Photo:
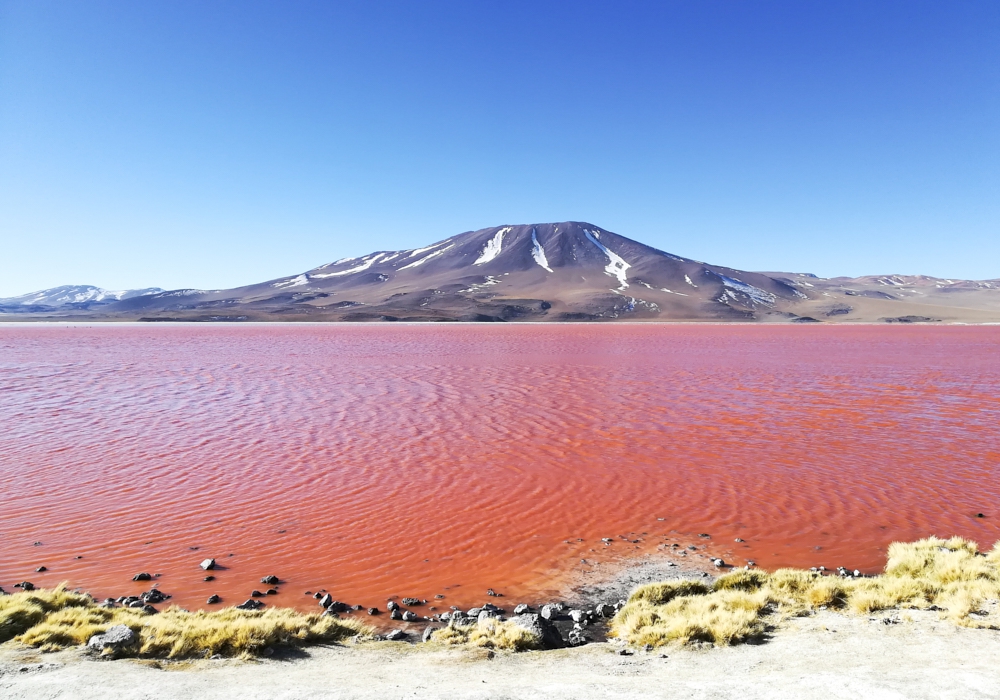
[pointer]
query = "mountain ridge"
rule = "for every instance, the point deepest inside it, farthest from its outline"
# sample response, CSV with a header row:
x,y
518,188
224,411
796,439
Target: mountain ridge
x,y
566,271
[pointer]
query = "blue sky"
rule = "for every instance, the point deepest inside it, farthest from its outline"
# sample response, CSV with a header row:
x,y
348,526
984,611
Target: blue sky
x,y
212,144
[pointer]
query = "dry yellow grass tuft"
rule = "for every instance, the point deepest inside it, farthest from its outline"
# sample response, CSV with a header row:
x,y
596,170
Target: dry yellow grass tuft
x,y
489,634
57,618
950,574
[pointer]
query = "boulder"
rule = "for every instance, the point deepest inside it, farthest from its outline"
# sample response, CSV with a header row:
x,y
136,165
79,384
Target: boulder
x,y
605,610
374,611
485,615
428,632
577,638
326,601
40,569
213,599
521,609
718,563
474,612
577,615
411,601
396,636
391,605
547,634
337,607
149,610
395,614
115,638
409,616
207,564
250,604
25,586
549,612
271,580
142,577
257,594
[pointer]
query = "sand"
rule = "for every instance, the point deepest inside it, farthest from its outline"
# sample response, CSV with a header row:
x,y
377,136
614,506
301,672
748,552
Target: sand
x,y
821,656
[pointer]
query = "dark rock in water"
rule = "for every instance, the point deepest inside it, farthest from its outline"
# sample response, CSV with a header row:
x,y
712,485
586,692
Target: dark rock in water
x,y
135,604
409,616
337,607
149,610
411,601
25,586
357,607
207,564
374,611
391,605
544,630
326,601
109,603
490,592
154,596
256,594
396,635
208,578
271,580
40,569
271,591
395,614
213,599
330,613
428,633
250,604
142,577
718,563
439,595
521,609
705,535
116,638
978,515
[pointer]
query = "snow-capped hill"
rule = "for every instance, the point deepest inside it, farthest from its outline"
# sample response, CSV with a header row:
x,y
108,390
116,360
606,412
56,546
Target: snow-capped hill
x,y
68,295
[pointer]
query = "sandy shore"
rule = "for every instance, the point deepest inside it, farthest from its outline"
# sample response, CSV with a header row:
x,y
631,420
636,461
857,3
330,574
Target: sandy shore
x,y
821,656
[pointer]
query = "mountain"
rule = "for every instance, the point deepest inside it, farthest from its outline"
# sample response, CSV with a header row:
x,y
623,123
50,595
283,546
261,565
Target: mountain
x,y
569,271
81,297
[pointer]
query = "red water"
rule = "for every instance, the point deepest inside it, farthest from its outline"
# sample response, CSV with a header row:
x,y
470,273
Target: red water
x,y
414,460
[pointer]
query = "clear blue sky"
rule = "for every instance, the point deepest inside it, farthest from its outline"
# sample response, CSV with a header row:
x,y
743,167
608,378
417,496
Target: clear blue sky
x,y
209,144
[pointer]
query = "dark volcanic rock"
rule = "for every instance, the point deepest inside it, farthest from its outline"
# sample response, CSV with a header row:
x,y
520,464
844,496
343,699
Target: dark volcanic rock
x,y
142,577
544,630
271,580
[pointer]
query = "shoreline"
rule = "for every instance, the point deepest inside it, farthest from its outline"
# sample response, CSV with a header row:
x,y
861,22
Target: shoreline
x,y
917,656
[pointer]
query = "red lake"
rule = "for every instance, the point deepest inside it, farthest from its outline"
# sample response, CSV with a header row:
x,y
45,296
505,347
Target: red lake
x,y
414,460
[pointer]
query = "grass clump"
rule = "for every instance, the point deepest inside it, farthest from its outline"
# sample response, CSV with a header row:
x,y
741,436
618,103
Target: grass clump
x,y
949,574
489,634
57,618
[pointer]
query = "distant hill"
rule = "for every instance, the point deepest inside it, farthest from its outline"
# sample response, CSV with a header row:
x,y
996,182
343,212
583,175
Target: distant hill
x,y
569,271
69,297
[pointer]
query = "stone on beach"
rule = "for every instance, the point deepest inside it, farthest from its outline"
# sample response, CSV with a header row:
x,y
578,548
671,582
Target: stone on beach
x,y
207,564
115,638
544,630
396,635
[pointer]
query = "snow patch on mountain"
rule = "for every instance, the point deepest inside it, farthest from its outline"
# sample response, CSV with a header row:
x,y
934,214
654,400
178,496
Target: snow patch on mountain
x,y
538,253
757,295
368,262
426,257
492,248
616,266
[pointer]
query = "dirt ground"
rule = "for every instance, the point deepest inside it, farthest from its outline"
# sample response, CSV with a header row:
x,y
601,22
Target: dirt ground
x,y
913,655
